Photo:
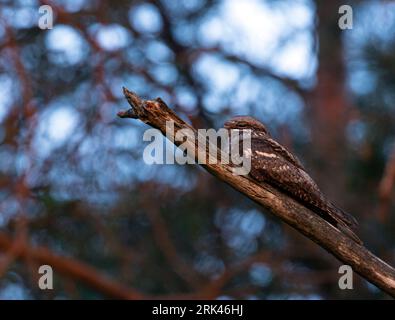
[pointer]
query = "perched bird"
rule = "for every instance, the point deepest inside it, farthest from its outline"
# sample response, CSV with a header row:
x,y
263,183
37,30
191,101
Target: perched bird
x,y
274,164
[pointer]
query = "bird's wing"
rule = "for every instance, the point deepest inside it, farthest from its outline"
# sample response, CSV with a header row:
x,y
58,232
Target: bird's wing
x,y
281,150
267,165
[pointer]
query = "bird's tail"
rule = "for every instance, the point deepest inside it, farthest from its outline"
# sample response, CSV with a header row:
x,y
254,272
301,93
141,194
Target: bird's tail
x,y
345,217
351,234
345,222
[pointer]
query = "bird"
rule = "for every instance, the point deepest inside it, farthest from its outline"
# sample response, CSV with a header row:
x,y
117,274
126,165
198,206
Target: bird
x,y
273,164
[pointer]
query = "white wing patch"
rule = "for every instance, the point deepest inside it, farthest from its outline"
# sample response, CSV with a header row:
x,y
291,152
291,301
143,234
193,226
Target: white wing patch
x,y
268,155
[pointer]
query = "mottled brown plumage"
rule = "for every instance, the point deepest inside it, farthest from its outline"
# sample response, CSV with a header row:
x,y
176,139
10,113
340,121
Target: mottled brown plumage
x,y
274,164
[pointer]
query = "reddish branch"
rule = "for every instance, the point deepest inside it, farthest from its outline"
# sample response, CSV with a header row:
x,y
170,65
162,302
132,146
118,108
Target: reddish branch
x,y
70,268
164,242
156,113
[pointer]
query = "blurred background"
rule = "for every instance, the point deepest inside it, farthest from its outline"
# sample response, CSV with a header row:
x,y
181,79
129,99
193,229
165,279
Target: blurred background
x,y
76,194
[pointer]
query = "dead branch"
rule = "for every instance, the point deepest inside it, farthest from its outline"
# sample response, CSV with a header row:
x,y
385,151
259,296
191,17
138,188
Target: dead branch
x,y
156,113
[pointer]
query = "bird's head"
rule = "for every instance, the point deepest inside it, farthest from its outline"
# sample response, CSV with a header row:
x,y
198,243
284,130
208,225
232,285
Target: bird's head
x,y
246,122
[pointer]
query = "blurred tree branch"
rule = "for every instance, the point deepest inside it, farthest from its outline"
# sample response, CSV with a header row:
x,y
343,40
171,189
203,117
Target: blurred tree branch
x,y
68,267
386,187
156,113
166,245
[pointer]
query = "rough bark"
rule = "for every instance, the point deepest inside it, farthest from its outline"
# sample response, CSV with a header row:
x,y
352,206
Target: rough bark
x,y
156,113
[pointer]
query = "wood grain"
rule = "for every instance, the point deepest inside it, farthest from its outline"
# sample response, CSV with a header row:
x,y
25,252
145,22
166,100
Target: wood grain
x,y
156,113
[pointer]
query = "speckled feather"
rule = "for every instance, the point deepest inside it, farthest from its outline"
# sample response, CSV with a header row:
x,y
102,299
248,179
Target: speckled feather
x,y
274,164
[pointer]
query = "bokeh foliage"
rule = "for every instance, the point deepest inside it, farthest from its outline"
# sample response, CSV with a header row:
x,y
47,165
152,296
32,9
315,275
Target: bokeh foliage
x,y
72,177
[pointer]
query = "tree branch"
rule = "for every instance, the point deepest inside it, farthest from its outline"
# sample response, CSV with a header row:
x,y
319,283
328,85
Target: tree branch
x,y
156,113
71,268
386,188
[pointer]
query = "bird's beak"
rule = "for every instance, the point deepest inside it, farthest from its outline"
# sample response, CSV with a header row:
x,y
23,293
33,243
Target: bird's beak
x,y
227,125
